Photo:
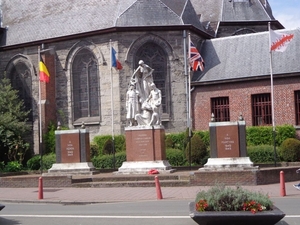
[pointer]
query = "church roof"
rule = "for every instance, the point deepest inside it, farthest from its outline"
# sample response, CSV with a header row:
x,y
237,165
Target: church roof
x,y
246,56
225,11
34,20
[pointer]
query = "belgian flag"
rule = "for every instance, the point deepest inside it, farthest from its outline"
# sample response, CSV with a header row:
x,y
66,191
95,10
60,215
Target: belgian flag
x,y
44,73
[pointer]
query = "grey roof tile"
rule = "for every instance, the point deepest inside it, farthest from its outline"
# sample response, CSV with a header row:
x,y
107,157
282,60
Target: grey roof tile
x,y
245,56
32,20
244,11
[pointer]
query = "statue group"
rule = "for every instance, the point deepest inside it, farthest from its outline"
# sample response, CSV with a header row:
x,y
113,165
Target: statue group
x,y
143,98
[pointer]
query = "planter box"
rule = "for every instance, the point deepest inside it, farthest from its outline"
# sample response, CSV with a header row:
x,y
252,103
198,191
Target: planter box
x,y
235,217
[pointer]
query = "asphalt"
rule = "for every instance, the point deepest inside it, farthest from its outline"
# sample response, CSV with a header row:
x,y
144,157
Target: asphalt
x,y
127,194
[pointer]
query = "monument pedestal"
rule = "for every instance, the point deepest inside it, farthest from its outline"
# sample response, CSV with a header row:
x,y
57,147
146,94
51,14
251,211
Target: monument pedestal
x,y
145,150
228,147
235,163
83,168
72,149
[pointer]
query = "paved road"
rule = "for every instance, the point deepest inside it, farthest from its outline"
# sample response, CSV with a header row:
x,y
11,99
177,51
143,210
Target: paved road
x,y
168,212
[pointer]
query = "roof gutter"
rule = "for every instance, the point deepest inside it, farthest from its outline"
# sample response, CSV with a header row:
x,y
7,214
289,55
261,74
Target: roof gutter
x,y
106,31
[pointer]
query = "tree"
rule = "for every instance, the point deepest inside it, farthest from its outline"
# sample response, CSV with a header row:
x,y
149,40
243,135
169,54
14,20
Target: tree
x,y
13,126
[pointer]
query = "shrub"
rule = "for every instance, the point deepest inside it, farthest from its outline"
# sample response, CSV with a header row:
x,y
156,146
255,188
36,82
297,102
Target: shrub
x,y
205,136
263,135
168,142
221,198
261,153
177,140
104,143
198,150
34,163
93,150
176,157
13,166
284,132
48,161
107,161
290,150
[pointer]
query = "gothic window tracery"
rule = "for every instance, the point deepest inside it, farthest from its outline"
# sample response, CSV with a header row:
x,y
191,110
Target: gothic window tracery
x,y
85,85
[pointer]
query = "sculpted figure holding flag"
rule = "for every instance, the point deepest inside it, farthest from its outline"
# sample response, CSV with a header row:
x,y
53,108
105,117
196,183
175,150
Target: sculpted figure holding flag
x,y
142,79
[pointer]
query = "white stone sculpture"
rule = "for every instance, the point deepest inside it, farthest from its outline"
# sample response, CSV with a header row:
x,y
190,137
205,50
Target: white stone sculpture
x,y
143,101
132,104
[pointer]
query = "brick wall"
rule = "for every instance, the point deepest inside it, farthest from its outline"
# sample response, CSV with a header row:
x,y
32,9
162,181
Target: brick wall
x,y
33,181
254,177
239,94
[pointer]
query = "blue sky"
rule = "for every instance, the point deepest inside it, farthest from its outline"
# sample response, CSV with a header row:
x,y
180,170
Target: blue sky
x,y
287,12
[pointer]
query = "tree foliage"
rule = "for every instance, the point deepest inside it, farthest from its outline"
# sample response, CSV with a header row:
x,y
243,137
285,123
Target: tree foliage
x,y
13,126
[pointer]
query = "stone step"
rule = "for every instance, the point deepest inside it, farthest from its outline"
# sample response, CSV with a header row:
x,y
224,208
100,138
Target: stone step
x,y
141,183
117,178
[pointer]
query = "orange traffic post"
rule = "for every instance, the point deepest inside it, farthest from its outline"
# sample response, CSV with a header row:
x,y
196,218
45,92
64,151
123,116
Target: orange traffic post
x,y
41,196
158,189
282,184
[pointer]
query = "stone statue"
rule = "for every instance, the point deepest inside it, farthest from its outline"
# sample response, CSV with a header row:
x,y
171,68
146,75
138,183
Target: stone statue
x,y
154,100
142,78
132,104
143,101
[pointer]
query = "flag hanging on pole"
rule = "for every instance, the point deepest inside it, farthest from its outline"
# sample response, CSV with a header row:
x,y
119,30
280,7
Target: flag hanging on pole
x,y
196,60
279,41
44,73
114,61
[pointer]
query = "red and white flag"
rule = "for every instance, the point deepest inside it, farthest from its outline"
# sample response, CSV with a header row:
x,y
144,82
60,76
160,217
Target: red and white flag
x,y
279,41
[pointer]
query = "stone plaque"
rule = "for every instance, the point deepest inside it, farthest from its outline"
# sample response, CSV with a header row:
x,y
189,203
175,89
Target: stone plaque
x,y
70,148
227,141
144,144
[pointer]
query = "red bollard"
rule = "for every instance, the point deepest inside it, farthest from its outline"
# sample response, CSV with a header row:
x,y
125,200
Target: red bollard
x,y
282,184
41,196
158,189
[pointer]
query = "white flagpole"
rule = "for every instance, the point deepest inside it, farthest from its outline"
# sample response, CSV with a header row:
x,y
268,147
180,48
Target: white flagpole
x,y
40,112
272,94
112,104
40,98
186,75
189,102
271,73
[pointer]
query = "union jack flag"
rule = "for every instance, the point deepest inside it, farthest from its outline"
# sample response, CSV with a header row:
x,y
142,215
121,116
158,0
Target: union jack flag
x,y
196,60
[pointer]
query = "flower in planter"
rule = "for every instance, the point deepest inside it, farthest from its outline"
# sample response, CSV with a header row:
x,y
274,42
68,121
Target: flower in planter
x,y
201,205
221,198
252,206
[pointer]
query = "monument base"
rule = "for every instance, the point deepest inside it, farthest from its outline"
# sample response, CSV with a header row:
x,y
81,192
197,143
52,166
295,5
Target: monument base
x,y
83,168
235,163
143,167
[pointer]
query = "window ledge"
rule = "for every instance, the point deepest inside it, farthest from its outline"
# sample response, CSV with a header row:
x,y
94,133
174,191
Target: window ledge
x,y
87,121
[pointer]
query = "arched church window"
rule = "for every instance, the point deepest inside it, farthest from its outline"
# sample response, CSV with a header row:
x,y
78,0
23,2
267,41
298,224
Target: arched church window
x,y
21,80
155,57
85,85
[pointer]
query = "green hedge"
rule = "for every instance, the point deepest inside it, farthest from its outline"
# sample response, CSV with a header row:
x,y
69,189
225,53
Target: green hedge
x,y
104,144
176,157
107,161
177,140
261,153
263,135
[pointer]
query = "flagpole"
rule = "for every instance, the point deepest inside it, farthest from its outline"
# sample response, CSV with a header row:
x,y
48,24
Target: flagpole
x,y
186,75
112,106
272,95
40,112
189,107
